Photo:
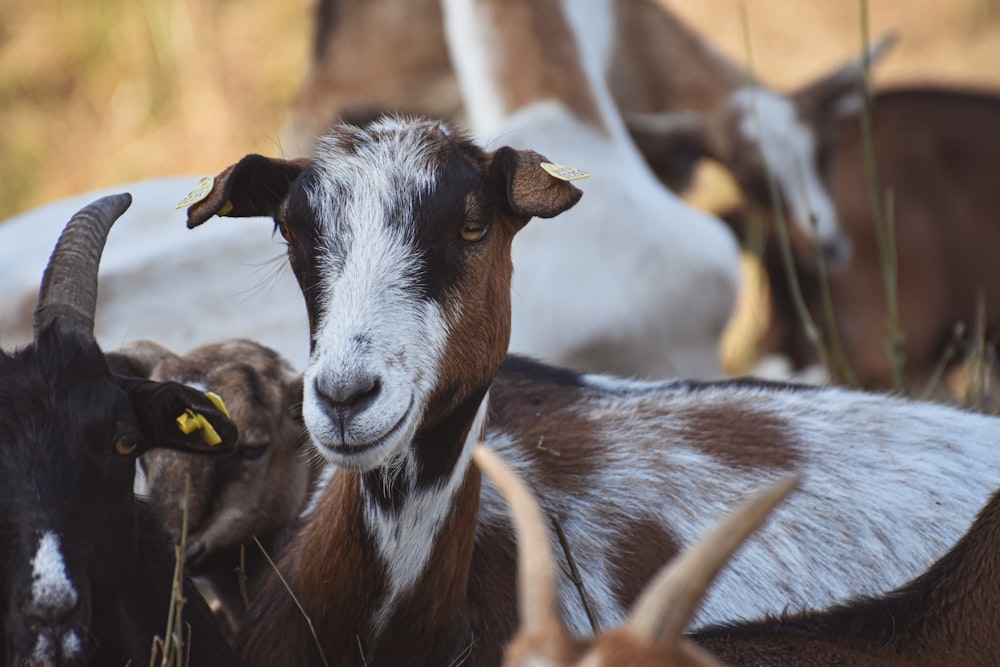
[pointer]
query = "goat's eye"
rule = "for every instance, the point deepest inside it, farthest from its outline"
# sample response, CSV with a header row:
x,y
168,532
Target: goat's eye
x,y
474,231
252,452
126,446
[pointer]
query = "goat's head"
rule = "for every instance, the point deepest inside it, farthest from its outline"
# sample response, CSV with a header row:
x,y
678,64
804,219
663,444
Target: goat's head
x,y
762,136
260,489
652,635
399,235
71,432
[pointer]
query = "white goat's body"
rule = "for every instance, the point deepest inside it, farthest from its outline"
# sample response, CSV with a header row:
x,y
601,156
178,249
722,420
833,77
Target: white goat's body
x,y
889,485
632,280
158,280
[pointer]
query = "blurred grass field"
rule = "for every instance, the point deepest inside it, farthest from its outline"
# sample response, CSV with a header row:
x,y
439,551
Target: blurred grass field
x,y
107,91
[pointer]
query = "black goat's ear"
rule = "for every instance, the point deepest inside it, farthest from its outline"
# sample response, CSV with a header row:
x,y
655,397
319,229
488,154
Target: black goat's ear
x,y
528,190
177,416
254,186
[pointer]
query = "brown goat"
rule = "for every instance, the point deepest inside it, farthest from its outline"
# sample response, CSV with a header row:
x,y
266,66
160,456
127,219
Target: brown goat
x,y
652,634
259,492
937,151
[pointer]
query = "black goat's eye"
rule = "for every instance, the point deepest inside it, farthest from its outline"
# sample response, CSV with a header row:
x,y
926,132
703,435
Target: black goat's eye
x,y
126,446
474,231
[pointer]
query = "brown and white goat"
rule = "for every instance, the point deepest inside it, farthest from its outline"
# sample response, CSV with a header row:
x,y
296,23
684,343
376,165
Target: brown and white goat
x,y
652,635
259,492
936,150
381,55
399,235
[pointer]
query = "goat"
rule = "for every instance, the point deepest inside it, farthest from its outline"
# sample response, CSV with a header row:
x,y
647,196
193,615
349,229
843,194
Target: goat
x,y
652,635
87,576
259,492
685,99
399,235
658,256
934,149
220,285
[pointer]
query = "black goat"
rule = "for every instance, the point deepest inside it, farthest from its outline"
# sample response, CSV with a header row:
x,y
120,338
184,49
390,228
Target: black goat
x,y
86,571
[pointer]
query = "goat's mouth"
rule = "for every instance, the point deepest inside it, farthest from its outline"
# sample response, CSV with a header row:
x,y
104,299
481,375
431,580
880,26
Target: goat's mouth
x,y
363,456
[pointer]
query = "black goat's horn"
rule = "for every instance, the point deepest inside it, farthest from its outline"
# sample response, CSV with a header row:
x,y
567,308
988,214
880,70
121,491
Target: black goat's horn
x,y
68,295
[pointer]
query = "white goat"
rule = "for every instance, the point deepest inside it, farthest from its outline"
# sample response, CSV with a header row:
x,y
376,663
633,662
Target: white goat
x,y
633,281
157,282
399,235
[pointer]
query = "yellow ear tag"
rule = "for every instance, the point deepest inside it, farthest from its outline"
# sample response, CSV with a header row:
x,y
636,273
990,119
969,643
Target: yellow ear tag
x,y
200,192
191,421
217,402
562,172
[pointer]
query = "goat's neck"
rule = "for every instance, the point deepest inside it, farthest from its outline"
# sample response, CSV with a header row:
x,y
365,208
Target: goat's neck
x,y
393,548
510,54
659,64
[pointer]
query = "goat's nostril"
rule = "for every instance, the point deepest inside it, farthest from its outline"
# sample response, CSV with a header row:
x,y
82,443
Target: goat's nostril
x,y
351,394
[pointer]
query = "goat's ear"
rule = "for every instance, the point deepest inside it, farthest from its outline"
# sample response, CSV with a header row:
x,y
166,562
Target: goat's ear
x,y
671,143
840,93
529,191
177,416
254,186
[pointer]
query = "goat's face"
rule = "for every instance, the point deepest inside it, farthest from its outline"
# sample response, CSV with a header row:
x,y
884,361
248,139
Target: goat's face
x,y
70,434
263,486
767,136
399,235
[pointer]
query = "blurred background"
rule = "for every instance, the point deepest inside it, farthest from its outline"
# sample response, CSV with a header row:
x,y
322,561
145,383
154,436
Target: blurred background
x,y
107,91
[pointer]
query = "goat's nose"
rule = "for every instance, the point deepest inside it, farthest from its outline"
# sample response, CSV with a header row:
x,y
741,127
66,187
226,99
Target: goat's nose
x,y
351,394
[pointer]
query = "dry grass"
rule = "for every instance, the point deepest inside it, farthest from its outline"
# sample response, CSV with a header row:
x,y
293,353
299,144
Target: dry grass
x,y
106,91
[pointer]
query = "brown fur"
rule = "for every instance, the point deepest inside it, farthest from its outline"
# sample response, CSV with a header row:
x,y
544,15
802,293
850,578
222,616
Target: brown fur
x,y
542,65
930,153
742,438
643,545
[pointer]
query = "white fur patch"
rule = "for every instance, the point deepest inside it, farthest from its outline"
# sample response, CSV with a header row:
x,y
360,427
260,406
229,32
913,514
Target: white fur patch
x,y
789,151
71,644
52,593
405,539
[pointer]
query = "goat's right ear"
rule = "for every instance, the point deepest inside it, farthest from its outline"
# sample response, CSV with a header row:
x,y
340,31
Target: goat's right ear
x,y
254,186
671,143
526,189
177,416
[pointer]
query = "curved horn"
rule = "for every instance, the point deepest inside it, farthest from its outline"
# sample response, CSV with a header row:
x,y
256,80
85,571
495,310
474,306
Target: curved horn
x,y
68,294
671,599
535,565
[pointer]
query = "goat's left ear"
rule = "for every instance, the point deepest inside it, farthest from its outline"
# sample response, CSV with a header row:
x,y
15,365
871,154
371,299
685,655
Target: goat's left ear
x,y
529,190
840,93
177,416
254,186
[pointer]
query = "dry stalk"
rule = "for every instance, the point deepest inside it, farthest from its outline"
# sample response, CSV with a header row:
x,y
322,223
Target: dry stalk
x,y
298,604
573,573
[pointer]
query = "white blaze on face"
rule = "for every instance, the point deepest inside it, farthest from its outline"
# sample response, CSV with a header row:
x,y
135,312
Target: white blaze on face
x,y
52,593
374,323
788,148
